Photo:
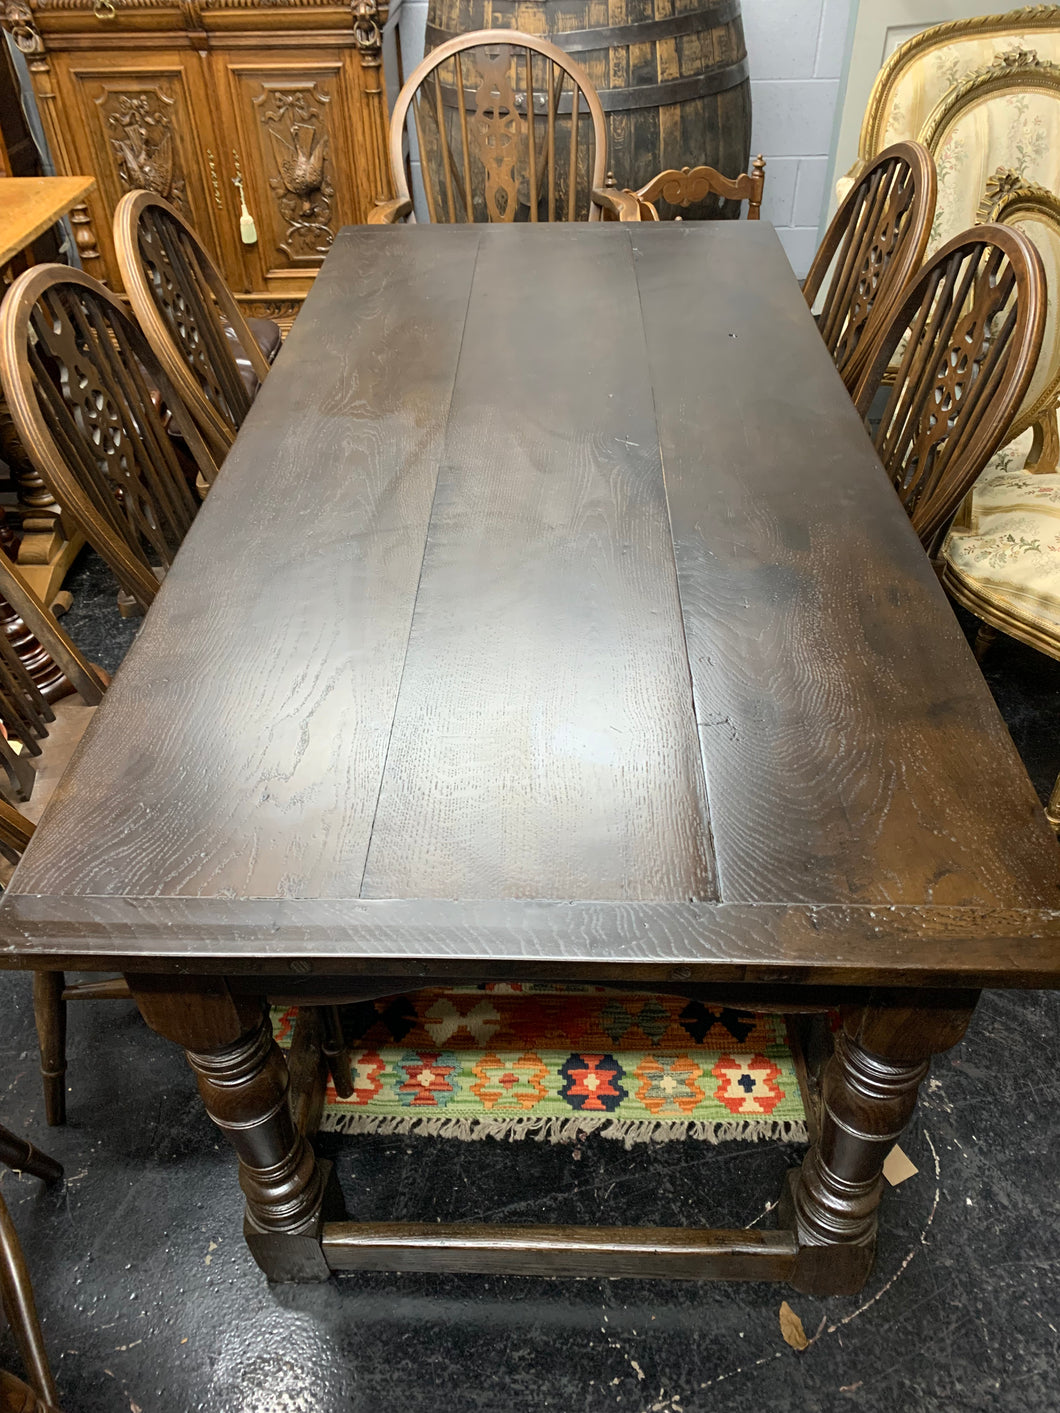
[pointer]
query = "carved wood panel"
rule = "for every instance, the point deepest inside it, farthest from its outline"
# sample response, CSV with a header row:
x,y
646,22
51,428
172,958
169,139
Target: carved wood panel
x,y
181,99
141,126
293,126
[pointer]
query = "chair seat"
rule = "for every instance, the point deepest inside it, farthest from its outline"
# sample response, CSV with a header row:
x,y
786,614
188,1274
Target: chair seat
x,y
268,338
1008,553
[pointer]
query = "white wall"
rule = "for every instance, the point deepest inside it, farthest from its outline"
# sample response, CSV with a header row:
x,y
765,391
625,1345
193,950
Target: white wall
x,y
797,50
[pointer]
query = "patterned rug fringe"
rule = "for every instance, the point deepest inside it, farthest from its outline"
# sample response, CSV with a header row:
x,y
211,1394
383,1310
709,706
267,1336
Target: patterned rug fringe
x,y
566,1130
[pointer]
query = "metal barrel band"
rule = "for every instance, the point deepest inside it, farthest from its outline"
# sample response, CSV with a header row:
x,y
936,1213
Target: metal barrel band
x,y
582,41
621,100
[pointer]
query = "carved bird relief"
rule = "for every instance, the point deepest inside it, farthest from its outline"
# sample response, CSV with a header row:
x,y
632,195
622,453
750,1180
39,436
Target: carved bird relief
x,y
149,168
302,165
143,144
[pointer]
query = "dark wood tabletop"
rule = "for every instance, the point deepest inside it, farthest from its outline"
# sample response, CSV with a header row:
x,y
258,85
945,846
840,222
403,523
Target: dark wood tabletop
x,y
551,608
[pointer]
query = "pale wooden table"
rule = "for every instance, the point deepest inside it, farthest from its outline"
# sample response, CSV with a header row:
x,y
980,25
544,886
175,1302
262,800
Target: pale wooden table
x,y
29,205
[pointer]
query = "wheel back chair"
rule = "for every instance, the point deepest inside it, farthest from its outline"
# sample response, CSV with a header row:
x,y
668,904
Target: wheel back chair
x,y
214,357
504,127
19,1305
961,345
91,403
691,184
870,252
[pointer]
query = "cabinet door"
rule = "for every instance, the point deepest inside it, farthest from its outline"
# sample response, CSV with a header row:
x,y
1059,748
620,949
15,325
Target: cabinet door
x,y
139,121
296,121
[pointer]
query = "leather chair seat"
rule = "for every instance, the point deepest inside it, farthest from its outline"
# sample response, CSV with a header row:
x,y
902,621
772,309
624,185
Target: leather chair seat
x,y
268,338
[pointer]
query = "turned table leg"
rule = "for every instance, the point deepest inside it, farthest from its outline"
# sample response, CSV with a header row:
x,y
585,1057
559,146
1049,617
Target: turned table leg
x,y
50,1013
868,1095
243,1080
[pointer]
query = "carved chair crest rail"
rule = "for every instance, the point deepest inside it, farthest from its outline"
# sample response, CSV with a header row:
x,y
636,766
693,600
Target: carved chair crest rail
x,y
1005,114
691,184
922,69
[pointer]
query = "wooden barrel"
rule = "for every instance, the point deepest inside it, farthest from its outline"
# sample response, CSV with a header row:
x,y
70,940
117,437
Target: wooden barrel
x,y
673,86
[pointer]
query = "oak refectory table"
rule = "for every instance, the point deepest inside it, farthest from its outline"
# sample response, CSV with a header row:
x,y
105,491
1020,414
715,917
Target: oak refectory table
x,y
552,618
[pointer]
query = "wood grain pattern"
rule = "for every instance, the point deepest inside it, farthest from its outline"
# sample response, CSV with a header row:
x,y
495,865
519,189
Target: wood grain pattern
x,y
29,205
331,484
872,824
545,695
839,705
452,939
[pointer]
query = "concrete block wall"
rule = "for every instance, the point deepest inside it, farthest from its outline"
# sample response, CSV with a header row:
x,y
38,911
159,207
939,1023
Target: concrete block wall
x,y
796,50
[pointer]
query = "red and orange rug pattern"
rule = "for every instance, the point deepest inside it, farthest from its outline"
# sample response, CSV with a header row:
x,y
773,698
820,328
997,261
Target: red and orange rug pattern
x,y
554,1063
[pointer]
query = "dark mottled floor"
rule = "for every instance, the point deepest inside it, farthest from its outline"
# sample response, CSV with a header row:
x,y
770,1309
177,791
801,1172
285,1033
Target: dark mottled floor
x,y
151,1302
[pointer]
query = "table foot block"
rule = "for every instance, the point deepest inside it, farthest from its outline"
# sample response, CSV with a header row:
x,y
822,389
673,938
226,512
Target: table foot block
x,y
645,1252
298,1256
839,1269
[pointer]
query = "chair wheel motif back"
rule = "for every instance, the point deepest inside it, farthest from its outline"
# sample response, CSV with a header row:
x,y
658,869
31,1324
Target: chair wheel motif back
x,y
90,400
506,127
971,327
870,251
182,303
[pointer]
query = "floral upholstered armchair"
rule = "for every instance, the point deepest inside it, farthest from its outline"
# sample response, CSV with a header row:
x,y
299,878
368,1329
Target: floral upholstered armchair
x,y
926,67
1006,116
1001,558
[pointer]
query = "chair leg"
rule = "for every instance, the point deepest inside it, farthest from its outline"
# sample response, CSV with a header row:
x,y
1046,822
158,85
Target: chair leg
x,y
21,1309
984,641
50,1011
17,1397
1052,809
336,1053
24,1158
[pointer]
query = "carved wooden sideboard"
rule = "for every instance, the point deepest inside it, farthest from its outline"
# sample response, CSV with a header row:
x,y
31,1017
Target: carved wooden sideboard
x,y
189,97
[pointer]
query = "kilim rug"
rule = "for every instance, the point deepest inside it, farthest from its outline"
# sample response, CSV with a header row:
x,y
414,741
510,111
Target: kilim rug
x,y
555,1063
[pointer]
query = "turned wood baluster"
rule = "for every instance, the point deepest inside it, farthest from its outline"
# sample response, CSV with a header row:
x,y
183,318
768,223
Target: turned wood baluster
x,y
48,677
868,1096
243,1080
244,1087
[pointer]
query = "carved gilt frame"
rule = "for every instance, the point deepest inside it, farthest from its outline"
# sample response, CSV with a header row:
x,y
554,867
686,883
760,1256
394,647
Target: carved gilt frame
x,y
1007,198
1017,69
1014,22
